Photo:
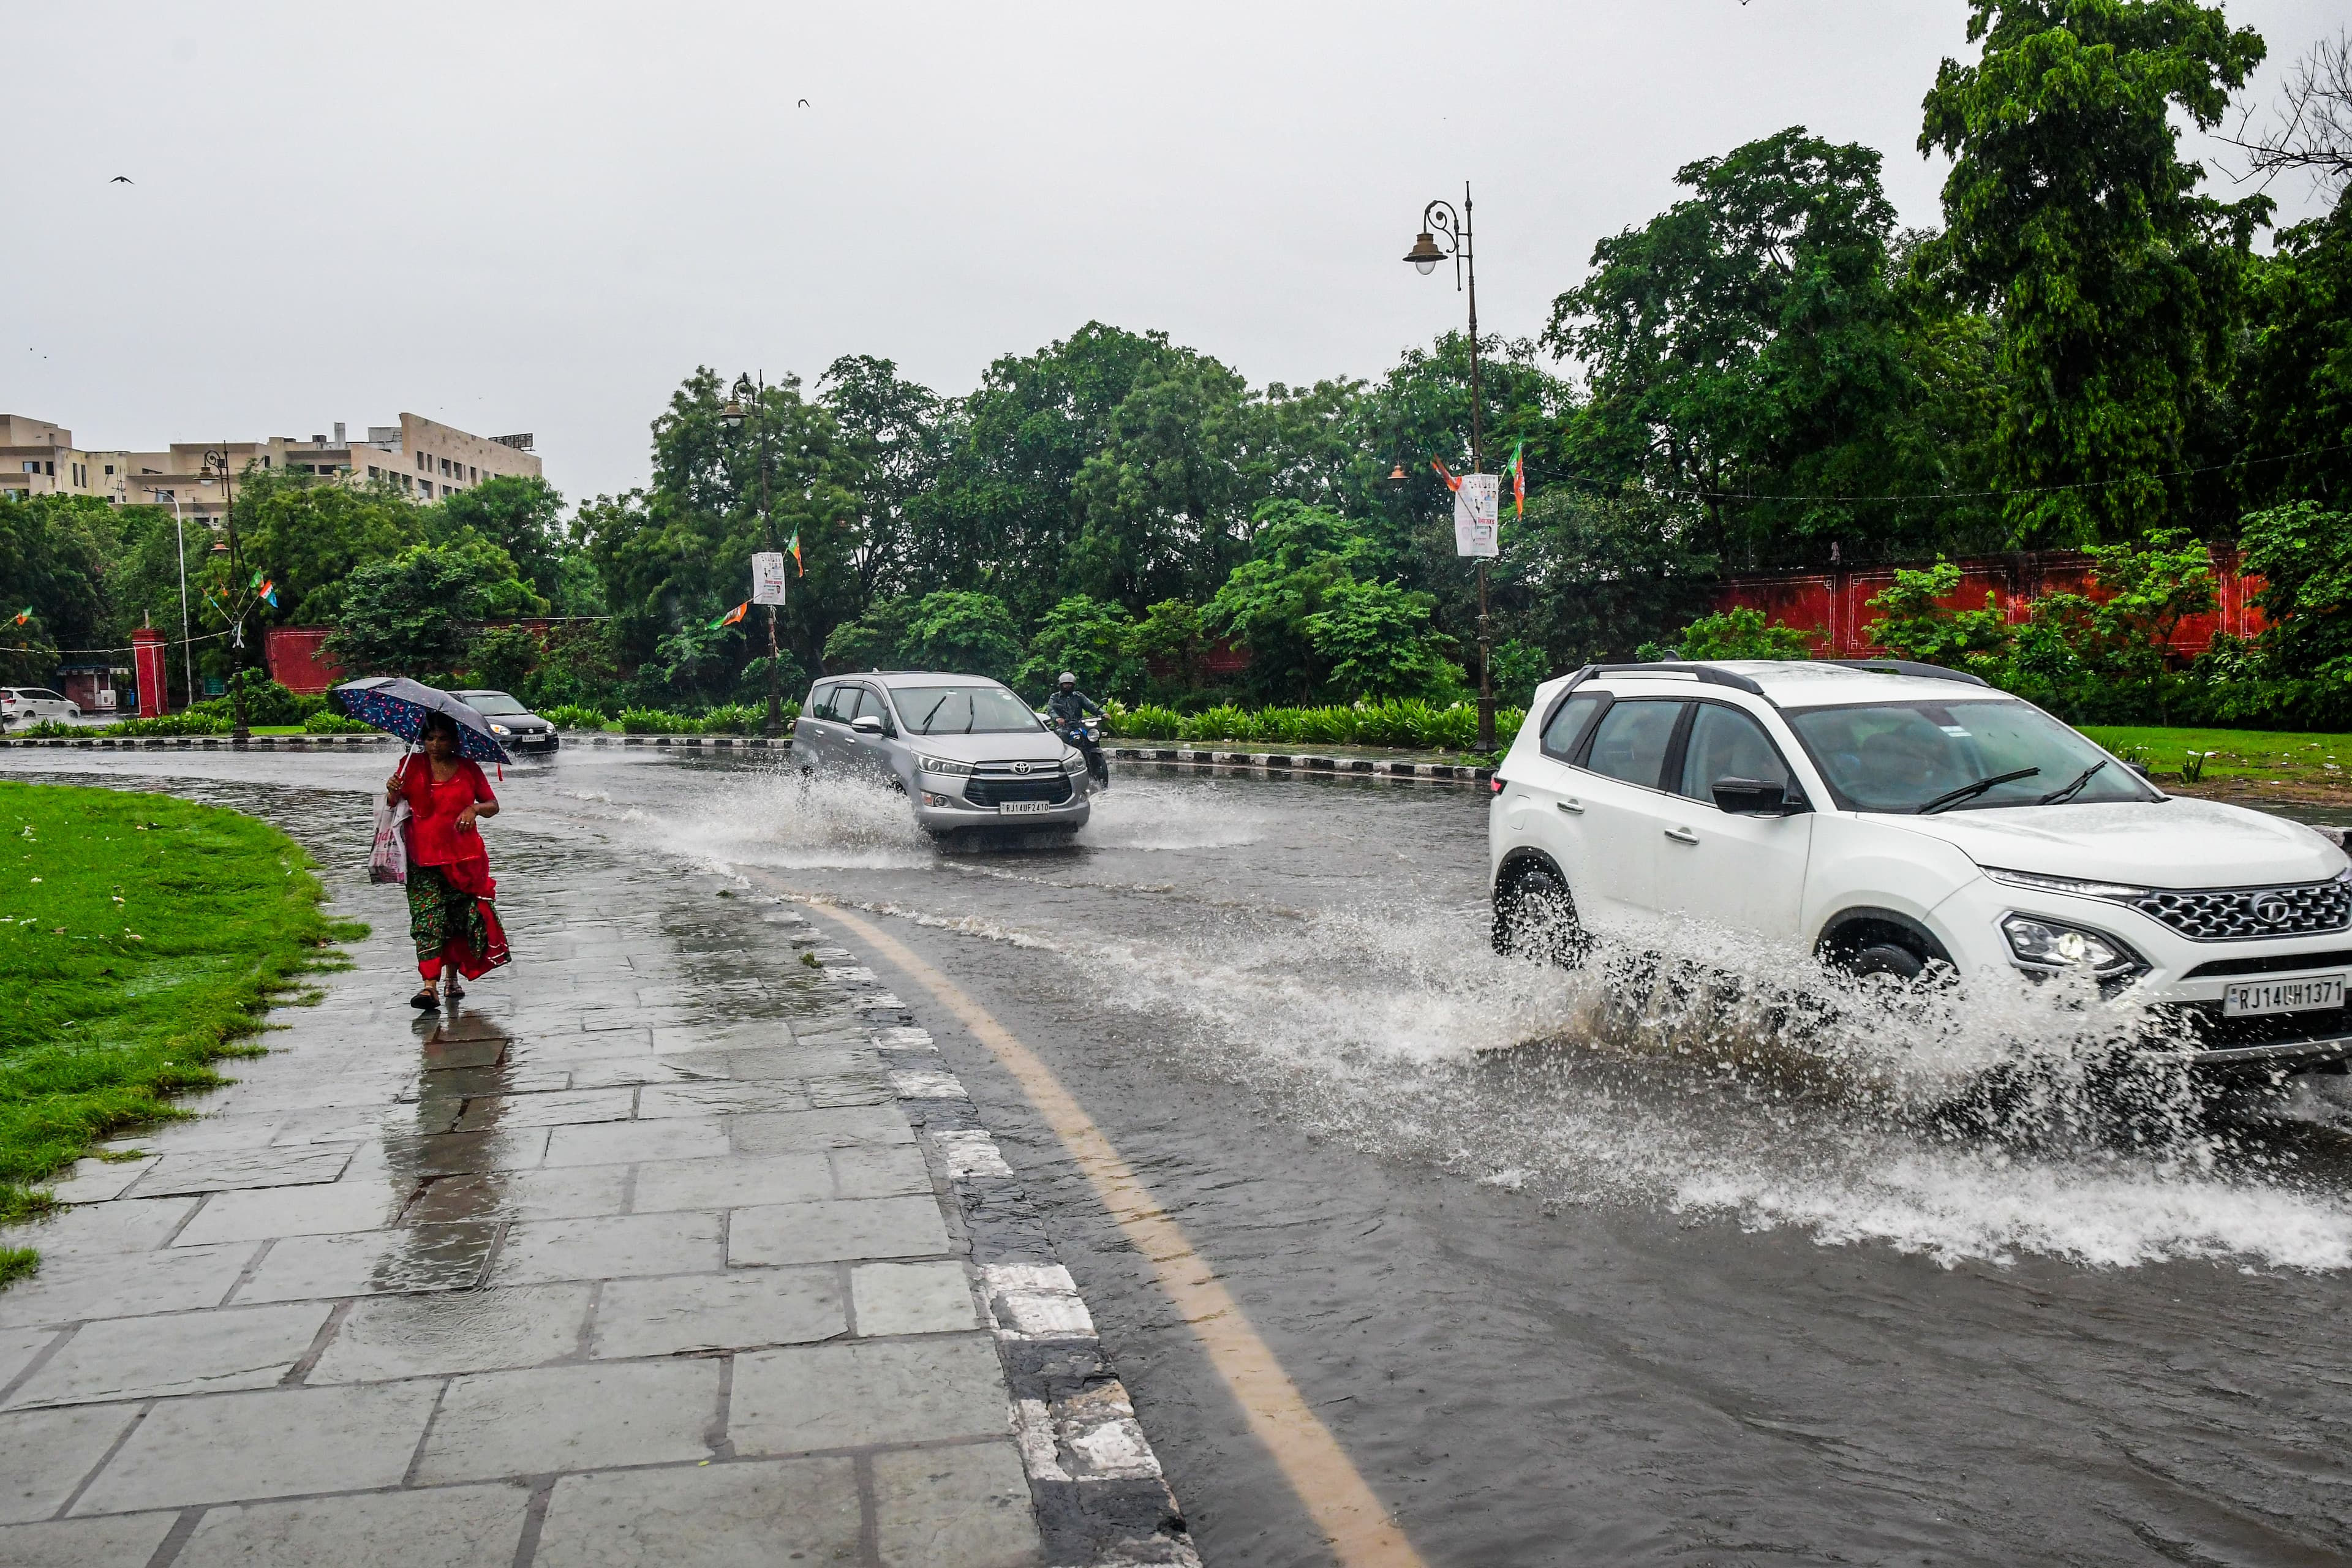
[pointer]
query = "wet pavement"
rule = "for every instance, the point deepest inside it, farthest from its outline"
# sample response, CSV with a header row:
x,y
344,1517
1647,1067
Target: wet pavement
x,y
632,1256
1573,1275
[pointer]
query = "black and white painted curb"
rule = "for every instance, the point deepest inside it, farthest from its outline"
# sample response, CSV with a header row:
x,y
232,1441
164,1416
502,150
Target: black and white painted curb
x,y
1100,1496
1312,765
202,743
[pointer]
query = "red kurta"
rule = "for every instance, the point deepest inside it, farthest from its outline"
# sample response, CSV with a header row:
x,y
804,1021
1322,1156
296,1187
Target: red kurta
x,y
434,839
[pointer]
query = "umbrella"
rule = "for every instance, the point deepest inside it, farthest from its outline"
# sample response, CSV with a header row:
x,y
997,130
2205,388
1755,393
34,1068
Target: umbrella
x,y
399,706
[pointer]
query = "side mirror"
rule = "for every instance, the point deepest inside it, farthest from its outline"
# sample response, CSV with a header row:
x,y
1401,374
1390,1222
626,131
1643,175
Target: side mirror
x,y
1755,798
866,724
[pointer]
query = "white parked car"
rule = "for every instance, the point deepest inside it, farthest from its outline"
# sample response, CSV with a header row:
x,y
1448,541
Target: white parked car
x,y
1889,816
29,704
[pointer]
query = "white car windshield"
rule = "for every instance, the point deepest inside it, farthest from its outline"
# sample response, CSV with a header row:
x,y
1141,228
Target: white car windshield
x,y
1940,756
490,702
961,710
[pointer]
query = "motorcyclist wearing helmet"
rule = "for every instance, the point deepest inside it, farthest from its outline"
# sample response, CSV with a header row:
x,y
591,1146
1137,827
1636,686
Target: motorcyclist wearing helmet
x,y
1068,708
1068,705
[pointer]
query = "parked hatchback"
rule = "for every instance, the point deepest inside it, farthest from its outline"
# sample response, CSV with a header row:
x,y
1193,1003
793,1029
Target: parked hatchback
x,y
28,704
967,751
516,726
1892,816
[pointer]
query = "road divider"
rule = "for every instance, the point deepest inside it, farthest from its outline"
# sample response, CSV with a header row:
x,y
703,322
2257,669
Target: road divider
x,y
1312,765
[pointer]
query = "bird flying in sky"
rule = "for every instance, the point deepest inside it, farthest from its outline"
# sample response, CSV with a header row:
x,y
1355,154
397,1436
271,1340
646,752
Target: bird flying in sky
x,y
122,180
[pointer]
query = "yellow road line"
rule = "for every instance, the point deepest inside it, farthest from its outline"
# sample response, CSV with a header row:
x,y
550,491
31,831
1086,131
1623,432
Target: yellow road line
x,y
1328,1487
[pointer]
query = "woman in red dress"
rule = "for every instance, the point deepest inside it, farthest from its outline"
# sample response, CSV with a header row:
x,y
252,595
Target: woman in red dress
x,y
451,916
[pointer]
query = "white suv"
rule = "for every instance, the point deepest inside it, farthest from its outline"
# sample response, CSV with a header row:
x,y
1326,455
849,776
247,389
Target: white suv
x,y
32,703
1888,816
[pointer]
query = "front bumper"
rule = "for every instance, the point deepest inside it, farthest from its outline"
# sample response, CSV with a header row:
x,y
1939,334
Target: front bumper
x,y
946,805
2183,983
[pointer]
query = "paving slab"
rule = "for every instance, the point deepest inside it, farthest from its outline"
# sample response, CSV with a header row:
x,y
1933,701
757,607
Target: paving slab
x,y
912,1299
455,1332
223,1170
861,1393
571,1107
609,1248
72,1288
969,1506
125,1225
187,1353
627,1143
837,1228
556,1418
438,1527
264,1213
713,1516
47,1453
234,1447
739,1183
689,1313
412,1257
127,1541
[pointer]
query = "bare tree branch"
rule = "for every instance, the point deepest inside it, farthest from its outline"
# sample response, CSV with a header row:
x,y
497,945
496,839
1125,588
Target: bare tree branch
x,y
2313,133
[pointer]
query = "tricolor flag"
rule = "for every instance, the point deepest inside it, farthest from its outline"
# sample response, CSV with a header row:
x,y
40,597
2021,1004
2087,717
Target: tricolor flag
x,y
800,567
731,617
1451,483
267,594
1518,479
25,617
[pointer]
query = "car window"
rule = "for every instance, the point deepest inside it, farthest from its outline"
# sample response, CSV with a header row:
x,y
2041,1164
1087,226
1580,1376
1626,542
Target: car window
x,y
1726,743
1902,756
1567,723
1630,741
964,711
821,700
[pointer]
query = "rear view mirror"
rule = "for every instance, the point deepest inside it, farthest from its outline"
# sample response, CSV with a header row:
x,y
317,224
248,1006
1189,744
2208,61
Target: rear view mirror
x,y
866,724
1754,797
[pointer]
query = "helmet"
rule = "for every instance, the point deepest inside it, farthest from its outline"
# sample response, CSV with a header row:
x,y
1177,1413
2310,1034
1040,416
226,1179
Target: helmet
x,y
1068,680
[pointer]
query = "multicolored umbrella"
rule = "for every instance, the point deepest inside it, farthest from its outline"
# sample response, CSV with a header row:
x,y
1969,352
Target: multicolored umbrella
x,y
398,706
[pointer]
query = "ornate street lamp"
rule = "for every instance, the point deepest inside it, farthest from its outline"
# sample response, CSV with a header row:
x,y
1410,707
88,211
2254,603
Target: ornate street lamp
x,y
216,467
1439,219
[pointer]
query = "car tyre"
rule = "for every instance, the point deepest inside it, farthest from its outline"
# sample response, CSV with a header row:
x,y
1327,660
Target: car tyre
x,y
1884,958
1534,917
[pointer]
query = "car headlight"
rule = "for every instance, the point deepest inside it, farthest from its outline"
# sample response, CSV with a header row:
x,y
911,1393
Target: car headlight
x,y
501,729
1072,762
2079,887
2052,945
942,765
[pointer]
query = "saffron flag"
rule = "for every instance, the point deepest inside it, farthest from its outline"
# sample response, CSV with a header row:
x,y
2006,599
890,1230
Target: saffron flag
x,y
25,617
1518,479
731,617
800,567
1451,483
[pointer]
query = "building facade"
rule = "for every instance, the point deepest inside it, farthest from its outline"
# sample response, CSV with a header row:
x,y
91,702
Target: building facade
x,y
425,459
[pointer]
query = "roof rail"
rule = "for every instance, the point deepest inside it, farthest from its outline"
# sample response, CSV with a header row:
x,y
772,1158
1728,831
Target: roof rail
x,y
1707,673
1910,667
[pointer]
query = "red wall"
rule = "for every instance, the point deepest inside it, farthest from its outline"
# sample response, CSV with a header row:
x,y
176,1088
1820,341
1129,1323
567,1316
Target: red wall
x,y
1836,604
296,660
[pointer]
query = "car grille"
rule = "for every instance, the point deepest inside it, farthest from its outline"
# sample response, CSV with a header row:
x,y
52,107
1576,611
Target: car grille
x,y
2239,914
990,789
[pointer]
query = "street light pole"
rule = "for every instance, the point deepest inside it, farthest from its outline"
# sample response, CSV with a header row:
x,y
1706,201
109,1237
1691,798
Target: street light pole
x,y
187,632
733,416
239,731
1439,218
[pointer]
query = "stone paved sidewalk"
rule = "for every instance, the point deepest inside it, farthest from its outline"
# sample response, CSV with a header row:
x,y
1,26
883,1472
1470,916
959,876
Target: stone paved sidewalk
x,y
636,1258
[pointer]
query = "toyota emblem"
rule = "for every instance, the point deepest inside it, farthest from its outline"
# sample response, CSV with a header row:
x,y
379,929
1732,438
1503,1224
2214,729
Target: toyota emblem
x,y
2272,910
1024,767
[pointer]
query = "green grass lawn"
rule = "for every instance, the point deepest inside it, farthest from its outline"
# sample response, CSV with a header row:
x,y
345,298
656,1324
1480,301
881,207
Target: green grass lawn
x,y
2261,756
142,937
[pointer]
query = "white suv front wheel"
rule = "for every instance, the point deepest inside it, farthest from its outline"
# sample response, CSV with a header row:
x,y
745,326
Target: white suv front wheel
x,y
1535,915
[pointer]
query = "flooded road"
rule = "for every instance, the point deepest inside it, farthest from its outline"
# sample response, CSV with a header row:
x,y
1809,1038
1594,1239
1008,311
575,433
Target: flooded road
x,y
1577,1268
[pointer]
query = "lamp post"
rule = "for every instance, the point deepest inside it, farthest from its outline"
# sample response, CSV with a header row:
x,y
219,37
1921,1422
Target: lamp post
x,y
1439,218
216,468
187,632
731,415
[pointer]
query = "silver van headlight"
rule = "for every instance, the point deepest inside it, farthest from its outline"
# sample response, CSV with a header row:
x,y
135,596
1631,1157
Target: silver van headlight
x,y
943,765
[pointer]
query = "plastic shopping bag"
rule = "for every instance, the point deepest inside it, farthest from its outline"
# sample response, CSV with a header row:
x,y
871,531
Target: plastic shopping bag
x,y
389,862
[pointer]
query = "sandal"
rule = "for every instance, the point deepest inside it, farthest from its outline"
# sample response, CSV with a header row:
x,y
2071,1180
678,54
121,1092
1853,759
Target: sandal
x,y
456,992
424,1001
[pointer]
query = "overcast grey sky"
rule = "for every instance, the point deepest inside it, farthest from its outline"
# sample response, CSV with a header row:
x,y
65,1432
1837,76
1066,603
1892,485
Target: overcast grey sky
x,y
541,218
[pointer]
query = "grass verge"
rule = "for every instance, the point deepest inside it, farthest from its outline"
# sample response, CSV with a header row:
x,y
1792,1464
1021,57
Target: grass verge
x,y
2252,756
144,937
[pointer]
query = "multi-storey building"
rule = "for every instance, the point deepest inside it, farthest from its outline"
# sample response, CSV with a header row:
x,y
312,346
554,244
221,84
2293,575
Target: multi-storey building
x,y
425,459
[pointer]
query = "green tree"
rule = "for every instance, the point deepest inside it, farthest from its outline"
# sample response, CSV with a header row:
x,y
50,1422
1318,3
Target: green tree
x,y
1914,621
2296,375
1299,555
2070,212
410,615
1170,643
897,434
1737,633
522,516
308,534
1375,640
1601,574
875,640
968,633
1092,640
54,556
2304,555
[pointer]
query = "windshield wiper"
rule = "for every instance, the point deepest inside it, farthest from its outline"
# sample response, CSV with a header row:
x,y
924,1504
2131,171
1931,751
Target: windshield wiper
x,y
2055,795
1969,792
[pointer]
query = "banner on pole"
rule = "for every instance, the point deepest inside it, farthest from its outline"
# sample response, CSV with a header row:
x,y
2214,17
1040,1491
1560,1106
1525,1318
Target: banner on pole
x,y
1477,514
768,577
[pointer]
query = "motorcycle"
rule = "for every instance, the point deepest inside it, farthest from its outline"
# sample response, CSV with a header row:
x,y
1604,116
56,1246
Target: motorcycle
x,y
1086,736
